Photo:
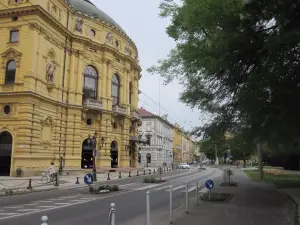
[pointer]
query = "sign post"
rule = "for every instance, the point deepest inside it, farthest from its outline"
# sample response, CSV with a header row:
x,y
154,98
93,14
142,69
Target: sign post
x,y
88,179
209,184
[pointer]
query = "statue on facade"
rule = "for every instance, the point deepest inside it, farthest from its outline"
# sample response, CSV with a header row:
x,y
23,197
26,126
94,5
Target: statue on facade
x,y
109,38
79,24
50,70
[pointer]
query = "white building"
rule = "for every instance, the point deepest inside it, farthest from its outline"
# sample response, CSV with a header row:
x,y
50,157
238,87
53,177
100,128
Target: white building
x,y
160,130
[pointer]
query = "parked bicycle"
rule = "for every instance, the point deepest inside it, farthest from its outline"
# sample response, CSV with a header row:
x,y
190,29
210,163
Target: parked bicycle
x,y
48,178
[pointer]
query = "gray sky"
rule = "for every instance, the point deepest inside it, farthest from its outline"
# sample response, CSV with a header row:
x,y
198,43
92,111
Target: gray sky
x,y
140,20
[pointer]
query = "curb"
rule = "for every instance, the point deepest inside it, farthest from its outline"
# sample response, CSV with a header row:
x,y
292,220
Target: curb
x,y
296,212
28,192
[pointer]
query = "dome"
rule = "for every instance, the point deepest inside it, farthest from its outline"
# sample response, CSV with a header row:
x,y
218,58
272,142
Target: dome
x,y
89,8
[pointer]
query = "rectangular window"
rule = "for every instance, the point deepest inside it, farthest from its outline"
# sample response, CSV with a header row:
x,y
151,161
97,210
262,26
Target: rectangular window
x,y
14,36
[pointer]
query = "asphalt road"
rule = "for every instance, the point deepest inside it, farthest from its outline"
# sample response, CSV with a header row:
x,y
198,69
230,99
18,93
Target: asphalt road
x,y
76,208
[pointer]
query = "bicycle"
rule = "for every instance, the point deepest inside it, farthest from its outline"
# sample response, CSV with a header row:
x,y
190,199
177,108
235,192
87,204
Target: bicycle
x,y
47,178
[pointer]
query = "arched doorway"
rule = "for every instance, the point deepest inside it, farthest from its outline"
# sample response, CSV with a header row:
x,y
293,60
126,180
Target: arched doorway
x,y
139,158
114,154
5,153
148,158
86,155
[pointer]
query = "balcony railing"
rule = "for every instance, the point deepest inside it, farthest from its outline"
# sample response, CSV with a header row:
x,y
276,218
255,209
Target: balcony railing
x,y
92,104
119,110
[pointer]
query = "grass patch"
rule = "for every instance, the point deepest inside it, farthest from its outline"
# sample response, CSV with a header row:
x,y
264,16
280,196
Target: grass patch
x,y
216,197
103,189
227,184
151,179
279,179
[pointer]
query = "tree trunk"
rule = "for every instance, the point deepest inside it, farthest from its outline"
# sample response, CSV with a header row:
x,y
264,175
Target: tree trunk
x,y
244,163
260,163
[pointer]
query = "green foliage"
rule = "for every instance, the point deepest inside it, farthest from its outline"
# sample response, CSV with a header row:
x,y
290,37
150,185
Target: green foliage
x,y
239,63
115,188
149,179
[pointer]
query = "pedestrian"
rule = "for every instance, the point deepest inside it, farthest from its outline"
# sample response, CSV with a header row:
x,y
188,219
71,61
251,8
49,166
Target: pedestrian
x,y
52,171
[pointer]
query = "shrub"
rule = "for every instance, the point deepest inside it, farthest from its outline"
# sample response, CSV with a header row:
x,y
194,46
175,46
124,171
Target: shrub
x,y
107,187
91,189
149,180
115,188
100,188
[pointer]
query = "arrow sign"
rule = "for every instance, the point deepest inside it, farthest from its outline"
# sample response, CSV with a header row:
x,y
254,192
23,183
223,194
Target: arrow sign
x,y
209,184
88,179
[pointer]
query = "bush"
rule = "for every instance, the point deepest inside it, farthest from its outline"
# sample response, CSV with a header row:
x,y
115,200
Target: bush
x,y
115,188
100,188
149,180
91,189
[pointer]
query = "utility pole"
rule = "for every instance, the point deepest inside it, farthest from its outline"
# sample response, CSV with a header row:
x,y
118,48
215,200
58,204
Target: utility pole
x,y
260,163
216,152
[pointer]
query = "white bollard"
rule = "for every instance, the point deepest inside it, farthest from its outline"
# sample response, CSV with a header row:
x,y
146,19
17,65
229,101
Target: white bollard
x,y
148,207
171,205
197,197
112,214
186,198
45,220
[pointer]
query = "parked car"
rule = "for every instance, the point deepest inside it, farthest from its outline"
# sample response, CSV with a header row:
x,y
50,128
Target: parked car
x,y
183,166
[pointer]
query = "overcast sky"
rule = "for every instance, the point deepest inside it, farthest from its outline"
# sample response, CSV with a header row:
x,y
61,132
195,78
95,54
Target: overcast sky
x,y
140,20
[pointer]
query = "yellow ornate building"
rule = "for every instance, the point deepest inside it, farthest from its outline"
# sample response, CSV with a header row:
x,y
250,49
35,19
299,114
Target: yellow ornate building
x,y
67,70
177,144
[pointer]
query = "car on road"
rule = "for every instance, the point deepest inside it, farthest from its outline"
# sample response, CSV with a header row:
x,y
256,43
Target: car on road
x,y
184,166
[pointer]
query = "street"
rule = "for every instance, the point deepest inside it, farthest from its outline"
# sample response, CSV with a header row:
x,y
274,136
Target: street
x,y
77,207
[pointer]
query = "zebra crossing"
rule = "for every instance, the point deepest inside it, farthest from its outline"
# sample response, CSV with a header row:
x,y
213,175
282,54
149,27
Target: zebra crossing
x,y
41,205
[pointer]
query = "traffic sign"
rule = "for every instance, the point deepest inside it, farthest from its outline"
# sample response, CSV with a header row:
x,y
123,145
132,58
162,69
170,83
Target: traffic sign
x,y
88,179
209,184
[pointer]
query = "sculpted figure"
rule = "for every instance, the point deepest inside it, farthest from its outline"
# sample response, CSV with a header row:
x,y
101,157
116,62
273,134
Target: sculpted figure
x,y
109,38
50,70
78,26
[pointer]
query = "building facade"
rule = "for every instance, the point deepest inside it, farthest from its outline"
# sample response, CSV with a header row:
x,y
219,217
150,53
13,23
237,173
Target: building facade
x,y
67,70
160,132
177,144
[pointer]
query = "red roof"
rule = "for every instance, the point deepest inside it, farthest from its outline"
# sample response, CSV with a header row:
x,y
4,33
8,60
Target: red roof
x,y
144,112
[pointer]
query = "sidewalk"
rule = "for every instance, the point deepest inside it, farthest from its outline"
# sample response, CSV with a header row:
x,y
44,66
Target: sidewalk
x,y
15,185
252,204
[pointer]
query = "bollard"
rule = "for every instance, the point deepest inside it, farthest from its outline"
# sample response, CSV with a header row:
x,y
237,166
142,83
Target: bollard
x,y
120,174
108,176
129,175
186,198
77,181
56,180
154,171
148,207
167,169
137,172
29,185
150,171
112,214
197,197
171,205
144,172
44,220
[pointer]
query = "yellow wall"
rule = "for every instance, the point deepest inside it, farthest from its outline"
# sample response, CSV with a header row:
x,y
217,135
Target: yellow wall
x,y
177,144
48,120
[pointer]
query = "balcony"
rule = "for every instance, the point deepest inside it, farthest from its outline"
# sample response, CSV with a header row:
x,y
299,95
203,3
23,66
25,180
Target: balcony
x,y
92,104
135,115
119,110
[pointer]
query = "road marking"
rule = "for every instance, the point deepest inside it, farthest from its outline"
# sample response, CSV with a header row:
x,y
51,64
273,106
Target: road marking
x,y
149,186
8,214
13,207
203,190
87,198
62,203
76,200
190,189
124,185
46,206
27,210
44,201
31,204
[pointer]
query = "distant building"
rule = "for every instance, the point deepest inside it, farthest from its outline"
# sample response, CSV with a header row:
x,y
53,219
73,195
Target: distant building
x,y
160,151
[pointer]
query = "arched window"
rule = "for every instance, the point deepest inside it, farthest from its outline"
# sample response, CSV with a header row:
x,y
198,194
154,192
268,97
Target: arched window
x,y
90,88
10,74
130,92
115,89
148,158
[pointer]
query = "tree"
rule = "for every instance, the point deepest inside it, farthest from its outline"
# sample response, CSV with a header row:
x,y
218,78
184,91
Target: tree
x,y
208,147
238,62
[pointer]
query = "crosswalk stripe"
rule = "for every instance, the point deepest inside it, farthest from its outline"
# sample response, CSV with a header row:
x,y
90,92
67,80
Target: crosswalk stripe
x,y
8,214
46,206
27,210
62,203
150,186
177,188
14,207
32,204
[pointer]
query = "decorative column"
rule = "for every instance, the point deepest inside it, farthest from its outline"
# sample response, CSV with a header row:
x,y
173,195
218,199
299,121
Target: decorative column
x,y
80,78
103,81
108,85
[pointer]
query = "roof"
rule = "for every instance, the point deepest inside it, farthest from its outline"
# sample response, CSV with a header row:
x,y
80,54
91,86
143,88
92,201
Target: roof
x,y
89,8
144,113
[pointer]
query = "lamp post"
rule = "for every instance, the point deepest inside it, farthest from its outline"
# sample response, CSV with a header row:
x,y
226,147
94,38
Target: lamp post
x,y
92,143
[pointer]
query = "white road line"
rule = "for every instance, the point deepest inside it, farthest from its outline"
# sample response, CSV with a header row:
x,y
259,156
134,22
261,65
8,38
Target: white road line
x,y
62,203
46,206
44,201
177,188
27,210
149,186
203,190
124,185
13,207
76,200
190,189
87,199
8,214
31,204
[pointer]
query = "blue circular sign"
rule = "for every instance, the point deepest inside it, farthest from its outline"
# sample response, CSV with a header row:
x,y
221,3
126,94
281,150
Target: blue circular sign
x,y
209,184
88,179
